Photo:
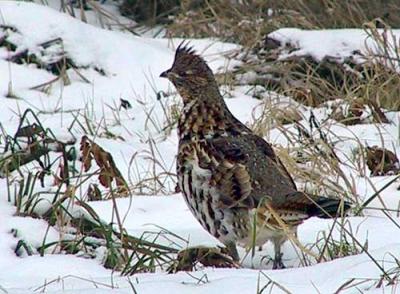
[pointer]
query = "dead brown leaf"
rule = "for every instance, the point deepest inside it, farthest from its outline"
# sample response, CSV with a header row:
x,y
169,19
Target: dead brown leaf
x,y
381,161
108,170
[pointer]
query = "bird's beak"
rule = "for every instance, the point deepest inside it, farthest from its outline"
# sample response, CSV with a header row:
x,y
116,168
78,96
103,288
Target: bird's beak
x,y
164,74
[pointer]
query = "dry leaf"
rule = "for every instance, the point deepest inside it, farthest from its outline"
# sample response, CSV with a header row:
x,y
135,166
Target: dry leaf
x,y
381,161
108,170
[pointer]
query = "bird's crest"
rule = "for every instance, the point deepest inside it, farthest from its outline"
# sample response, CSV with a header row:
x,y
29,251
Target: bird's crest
x,y
186,59
184,49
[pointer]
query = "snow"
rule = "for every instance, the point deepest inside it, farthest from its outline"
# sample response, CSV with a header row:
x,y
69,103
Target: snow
x,y
117,65
338,44
105,15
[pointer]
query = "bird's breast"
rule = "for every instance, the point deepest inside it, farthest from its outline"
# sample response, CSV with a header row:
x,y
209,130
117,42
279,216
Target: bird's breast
x,y
202,120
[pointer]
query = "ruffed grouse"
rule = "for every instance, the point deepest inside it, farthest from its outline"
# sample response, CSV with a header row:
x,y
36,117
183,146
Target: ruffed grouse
x,y
231,178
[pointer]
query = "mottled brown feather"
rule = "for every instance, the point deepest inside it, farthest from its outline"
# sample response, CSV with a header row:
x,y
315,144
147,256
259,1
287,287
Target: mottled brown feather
x,y
226,173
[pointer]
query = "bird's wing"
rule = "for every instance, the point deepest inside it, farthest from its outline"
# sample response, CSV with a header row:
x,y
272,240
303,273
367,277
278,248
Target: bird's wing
x,y
249,171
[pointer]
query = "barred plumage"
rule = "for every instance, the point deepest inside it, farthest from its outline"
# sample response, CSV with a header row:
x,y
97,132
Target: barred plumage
x,y
228,175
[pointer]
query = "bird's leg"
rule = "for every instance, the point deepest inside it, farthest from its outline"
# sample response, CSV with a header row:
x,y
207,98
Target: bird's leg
x,y
278,264
232,250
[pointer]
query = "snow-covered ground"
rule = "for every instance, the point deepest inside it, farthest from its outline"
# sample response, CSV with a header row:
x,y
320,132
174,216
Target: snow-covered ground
x,y
111,65
337,44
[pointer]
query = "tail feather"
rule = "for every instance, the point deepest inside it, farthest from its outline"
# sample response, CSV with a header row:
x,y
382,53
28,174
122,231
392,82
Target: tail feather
x,y
328,207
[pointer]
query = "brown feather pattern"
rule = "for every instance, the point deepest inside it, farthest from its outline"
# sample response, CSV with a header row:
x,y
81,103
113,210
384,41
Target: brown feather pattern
x,y
226,173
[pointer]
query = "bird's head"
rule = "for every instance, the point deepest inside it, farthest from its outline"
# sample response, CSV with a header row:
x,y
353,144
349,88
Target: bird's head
x,y
189,72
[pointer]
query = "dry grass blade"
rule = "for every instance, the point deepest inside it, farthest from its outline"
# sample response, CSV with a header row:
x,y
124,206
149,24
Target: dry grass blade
x,y
271,283
375,195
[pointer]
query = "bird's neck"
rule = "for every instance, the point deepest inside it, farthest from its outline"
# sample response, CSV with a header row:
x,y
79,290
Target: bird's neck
x,y
205,119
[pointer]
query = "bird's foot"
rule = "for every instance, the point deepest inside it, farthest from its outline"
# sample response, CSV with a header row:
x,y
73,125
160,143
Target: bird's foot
x,y
278,264
188,258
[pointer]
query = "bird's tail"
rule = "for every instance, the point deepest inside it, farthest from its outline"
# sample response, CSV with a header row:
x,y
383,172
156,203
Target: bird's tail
x,y
327,207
